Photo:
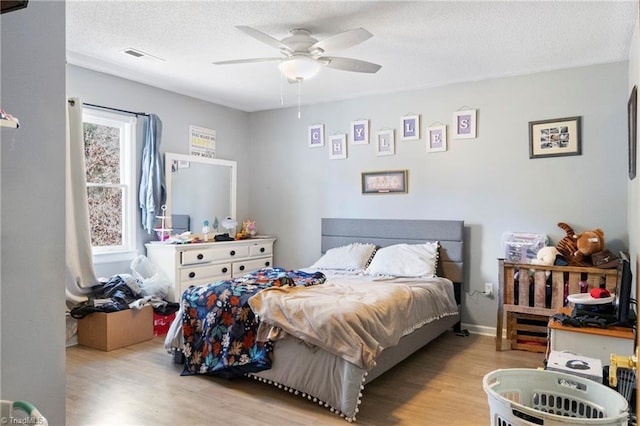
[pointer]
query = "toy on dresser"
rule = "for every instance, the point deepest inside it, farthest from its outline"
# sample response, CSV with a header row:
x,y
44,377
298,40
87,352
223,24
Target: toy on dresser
x,y
248,230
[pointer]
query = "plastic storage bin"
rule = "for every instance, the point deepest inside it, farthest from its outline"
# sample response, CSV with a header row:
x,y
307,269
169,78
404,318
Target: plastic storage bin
x,y
521,396
20,412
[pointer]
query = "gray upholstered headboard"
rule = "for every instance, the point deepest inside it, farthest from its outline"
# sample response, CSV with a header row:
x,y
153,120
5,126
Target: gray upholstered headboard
x,y
385,232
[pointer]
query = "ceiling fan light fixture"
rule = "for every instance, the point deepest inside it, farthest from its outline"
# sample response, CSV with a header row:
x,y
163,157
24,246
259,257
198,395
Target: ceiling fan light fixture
x,y
300,68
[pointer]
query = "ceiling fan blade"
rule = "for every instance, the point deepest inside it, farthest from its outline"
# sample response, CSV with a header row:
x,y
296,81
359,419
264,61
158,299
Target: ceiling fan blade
x,y
343,40
349,64
246,61
265,38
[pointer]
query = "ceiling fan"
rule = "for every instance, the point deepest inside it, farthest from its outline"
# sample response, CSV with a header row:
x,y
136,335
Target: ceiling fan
x,y
304,56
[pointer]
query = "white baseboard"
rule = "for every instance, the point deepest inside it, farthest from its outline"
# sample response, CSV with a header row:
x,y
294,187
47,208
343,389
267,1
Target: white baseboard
x,y
479,329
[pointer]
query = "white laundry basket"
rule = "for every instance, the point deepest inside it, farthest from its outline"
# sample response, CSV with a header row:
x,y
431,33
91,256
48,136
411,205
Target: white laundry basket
x,y
521,396
20,412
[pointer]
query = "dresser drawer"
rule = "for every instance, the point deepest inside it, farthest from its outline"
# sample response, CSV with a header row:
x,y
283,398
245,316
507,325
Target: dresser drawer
x,y
230,253
206,273
191,257
244,267
261,249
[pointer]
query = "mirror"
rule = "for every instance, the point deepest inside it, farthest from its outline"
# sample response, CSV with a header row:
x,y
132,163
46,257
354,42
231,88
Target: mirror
x,y
200,188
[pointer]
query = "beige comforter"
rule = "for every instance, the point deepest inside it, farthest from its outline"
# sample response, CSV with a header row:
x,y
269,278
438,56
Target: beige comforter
x,y
353,319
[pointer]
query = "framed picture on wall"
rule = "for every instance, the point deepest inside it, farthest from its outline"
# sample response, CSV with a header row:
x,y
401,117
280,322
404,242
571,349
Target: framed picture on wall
x,y
410,126
338,147
632,128
555,138
10,6
464,124
387,182
385,142
316,136
437,138
360,132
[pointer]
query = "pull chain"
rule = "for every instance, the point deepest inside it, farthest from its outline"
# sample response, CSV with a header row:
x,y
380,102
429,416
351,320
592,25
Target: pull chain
x,y
281,90
299,84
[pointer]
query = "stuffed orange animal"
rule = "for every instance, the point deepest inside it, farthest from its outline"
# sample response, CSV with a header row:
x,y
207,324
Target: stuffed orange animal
x,y
578,248
589,242
567,246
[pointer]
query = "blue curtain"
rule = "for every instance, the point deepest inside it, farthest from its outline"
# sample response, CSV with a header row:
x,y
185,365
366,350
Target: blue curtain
x,y
152,190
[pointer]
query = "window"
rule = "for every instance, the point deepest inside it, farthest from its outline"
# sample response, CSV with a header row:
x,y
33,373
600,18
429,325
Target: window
x,y
109,141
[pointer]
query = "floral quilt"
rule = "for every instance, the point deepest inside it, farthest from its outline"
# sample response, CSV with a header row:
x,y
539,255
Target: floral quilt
x,y
219,328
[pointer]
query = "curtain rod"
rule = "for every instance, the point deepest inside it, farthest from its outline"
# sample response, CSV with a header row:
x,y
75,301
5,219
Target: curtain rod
x,y
112,109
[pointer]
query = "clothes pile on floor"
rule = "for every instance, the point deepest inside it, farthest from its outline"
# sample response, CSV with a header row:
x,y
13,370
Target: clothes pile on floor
x,y
123,291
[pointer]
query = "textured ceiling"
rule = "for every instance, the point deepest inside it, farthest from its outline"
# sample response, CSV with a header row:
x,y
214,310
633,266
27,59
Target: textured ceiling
x,y
419,44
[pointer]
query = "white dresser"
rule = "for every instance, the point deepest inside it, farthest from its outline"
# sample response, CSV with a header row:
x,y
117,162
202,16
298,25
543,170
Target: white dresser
x,y
202,263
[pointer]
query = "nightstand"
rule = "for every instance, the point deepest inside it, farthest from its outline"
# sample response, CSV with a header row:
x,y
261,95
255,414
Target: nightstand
x,y
591,342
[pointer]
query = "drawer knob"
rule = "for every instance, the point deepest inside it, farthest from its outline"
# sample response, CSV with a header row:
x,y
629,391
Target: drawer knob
x,y
261,249
224,270
192,274
267,263
232,253
242,267
200,256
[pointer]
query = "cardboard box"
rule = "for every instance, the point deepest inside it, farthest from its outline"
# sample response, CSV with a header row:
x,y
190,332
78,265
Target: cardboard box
x,y
109,331
570,363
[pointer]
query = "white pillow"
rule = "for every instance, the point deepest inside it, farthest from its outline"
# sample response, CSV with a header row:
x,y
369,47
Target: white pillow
x,y
405,260
350,257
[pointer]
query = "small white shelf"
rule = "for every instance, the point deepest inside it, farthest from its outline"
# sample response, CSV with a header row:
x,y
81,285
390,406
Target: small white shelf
x,y
163,233
9,123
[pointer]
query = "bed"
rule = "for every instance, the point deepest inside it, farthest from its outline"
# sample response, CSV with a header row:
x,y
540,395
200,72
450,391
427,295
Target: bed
x,y
307,364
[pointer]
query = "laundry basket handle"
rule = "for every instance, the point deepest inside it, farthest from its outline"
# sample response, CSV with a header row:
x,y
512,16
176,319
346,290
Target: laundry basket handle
x,y
32,411
531,418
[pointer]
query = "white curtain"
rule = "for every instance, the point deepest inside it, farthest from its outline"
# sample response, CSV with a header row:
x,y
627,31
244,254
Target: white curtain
x,y
80,273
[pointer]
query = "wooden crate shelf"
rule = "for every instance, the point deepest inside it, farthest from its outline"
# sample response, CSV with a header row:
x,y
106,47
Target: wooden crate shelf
x,y
527,332
529,294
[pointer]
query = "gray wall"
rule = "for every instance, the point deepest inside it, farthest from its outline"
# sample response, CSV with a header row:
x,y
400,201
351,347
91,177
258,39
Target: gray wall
x,y
32,297
489,182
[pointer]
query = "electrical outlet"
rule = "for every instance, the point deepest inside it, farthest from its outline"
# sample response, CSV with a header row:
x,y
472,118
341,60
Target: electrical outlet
x,y
488,289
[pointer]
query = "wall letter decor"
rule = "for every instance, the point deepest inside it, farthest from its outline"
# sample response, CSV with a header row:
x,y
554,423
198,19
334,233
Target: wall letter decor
x,y
316,136
360,132
464,124
437,138
410,126
338,146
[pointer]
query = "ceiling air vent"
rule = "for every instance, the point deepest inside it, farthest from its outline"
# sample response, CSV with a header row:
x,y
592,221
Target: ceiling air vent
x,y
133,53
140,54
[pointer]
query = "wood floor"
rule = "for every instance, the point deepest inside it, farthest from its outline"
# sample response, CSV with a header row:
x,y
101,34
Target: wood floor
x,y
441,384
